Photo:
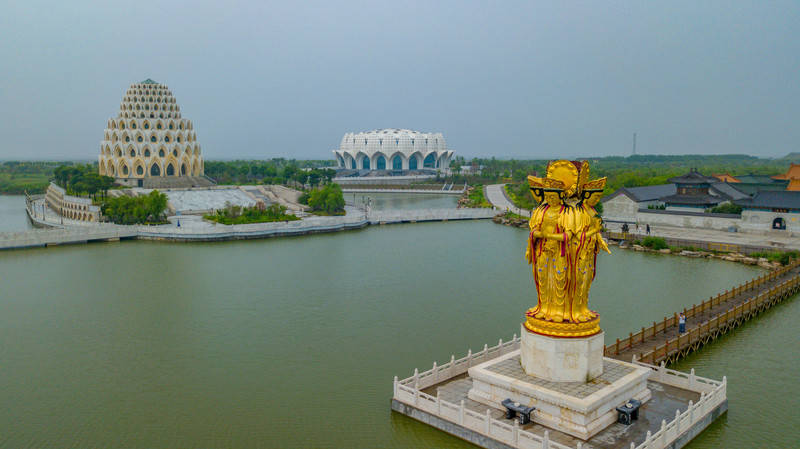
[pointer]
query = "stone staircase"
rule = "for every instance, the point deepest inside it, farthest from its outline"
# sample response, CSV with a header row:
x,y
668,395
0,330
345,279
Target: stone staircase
x,y
176,182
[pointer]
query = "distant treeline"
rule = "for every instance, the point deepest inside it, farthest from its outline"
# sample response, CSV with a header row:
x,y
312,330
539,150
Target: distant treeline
x,y
82,180
17,177
631,171
272,171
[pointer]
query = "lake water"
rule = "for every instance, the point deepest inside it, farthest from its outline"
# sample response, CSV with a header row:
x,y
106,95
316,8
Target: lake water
x,y
293,342
12,214
384,201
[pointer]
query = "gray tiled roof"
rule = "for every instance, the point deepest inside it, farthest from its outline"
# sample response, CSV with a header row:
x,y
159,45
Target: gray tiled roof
x,y
771,199
693,177
729,191
700,200
649,193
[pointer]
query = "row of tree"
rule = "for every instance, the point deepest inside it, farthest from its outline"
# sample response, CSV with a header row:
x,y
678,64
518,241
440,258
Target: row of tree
x,y
82,180
144,209
273,171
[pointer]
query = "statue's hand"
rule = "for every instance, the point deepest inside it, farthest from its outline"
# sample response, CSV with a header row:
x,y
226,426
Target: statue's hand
x,y
603,245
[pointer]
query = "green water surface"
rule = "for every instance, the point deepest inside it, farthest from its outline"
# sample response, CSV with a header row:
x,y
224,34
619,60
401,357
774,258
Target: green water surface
x,y
293,342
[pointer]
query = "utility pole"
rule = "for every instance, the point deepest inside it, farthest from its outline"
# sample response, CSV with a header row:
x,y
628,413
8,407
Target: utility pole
x,y
634,144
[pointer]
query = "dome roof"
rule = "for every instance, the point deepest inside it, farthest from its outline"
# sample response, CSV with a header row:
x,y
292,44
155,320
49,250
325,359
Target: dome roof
x,y
386,144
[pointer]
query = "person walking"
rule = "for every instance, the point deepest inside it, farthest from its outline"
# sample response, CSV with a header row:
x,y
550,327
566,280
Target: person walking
x,y
681,323
648,229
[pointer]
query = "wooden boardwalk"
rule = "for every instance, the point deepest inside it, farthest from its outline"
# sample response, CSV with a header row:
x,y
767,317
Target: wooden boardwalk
x,y
708,320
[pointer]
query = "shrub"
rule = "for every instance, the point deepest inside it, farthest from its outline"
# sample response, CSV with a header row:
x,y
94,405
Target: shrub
x,y
303,199
328,200
146,209
727,208
233,214
655,243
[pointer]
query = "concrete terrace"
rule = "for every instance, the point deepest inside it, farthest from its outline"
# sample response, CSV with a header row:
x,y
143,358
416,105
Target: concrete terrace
x,y
662,405
680,407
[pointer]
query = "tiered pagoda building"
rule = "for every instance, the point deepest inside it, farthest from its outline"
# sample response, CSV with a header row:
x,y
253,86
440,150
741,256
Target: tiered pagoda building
x,y
149,144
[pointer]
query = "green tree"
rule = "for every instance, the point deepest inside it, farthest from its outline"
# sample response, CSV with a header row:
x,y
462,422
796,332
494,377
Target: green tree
x,y
328,200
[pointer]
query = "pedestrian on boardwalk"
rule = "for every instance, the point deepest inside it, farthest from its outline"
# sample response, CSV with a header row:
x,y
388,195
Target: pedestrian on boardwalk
x,y
648,229
681,323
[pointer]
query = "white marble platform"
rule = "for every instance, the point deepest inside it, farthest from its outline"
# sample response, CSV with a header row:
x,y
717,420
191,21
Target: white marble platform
x,y
581,409
562,359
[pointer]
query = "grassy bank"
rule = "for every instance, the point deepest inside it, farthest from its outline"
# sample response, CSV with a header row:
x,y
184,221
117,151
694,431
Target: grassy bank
x,y
473,197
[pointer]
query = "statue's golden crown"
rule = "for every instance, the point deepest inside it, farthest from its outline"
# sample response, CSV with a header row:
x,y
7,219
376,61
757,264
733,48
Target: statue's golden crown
x,y
553,184
595,185
535,183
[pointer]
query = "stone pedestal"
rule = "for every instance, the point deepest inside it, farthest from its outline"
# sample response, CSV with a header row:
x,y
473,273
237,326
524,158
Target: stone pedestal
x,y
580,409
578,359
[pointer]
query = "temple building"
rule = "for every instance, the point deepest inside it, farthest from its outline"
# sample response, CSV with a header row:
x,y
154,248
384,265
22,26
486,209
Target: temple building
x,y
793,176
393,150
148,144
692,192
773,210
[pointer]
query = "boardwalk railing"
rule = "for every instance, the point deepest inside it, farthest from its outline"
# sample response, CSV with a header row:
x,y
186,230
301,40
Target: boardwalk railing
x,y
409,391
721,321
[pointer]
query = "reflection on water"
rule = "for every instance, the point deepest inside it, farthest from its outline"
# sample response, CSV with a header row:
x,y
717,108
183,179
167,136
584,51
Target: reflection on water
x,y
293,342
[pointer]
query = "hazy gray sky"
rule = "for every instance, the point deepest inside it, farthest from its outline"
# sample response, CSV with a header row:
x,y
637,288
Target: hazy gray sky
x,y
506,79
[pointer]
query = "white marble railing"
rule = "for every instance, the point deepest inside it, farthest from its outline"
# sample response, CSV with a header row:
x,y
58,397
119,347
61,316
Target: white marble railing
x,y
712,394
409,391
455,367
687,381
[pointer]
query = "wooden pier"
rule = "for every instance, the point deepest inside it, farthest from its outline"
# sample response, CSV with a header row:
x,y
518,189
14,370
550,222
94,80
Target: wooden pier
x,y
708,320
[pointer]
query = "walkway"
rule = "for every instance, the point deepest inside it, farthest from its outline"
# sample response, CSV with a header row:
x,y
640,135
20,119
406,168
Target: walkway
x,y
65,236
661,342
496,194
735,241
194,228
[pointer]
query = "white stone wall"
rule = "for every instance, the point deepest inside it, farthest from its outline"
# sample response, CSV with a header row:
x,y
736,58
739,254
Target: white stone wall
x,y
620,208
687,221
402,144
699,210
72,207
756,220
149,132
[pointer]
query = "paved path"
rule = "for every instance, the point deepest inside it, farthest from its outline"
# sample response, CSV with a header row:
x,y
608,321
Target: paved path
x,y
776,242
495,194
192,227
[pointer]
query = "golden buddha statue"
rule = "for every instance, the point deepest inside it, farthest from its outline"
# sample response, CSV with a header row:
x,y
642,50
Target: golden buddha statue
x,y
562,248
584,247
551,230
